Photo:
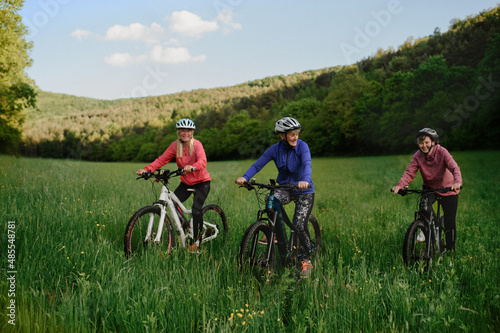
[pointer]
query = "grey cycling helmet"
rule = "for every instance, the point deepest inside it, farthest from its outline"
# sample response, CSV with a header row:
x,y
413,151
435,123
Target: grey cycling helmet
x,y
286,124
185,123
430,133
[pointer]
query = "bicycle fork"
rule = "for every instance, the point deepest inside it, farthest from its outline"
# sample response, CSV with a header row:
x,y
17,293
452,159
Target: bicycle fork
x,y
149,231
163,212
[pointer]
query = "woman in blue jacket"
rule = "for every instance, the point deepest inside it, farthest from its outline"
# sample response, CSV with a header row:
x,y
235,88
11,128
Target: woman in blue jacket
x,y
293,161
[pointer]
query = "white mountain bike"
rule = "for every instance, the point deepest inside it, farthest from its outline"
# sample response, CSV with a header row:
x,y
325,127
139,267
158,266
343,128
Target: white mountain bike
x,y
152,225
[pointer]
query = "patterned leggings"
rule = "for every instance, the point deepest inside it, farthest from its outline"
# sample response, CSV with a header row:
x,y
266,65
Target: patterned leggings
x,y
303,207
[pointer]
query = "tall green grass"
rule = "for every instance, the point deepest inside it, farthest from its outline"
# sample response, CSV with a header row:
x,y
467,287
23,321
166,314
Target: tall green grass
x,y
72,275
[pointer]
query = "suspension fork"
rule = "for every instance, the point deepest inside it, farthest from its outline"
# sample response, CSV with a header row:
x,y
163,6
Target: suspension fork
x,y
161,222
280,219
420,215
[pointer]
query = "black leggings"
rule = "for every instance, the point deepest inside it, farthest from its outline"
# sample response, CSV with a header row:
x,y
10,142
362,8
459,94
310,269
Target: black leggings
x,y
201,191
450,205
303,206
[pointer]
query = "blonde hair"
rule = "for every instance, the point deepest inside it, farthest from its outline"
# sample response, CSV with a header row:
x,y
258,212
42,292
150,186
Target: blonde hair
x,y
180,145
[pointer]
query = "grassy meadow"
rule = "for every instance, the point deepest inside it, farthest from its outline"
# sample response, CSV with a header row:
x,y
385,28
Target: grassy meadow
x,y
69,219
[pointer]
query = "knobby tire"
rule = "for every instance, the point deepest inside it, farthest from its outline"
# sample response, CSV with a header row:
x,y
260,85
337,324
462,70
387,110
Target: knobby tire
x,y
212,213
253,255
415,253
135,233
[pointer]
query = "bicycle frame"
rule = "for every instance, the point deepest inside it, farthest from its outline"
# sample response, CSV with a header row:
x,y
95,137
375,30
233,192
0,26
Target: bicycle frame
x,y
431,221
168,200
276,215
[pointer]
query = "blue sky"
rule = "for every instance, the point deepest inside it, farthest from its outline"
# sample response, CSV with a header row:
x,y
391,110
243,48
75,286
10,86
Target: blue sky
x,y
110,49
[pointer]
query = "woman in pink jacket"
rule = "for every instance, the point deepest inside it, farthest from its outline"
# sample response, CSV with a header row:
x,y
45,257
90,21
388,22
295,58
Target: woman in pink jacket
x,y
437,168
189,155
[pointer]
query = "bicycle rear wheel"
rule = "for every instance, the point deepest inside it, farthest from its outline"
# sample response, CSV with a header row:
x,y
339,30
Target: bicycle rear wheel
x,y
137,240
254,249
415,252
214,221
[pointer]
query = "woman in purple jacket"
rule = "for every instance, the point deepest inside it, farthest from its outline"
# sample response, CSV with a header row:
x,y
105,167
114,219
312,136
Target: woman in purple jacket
x,y
293,161
438,168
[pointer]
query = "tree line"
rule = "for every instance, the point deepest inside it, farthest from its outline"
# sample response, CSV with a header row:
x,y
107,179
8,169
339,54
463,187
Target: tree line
x,y
17,90
448,81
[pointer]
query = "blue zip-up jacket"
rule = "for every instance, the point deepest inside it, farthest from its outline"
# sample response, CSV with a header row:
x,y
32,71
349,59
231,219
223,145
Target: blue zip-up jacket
x,y
293,164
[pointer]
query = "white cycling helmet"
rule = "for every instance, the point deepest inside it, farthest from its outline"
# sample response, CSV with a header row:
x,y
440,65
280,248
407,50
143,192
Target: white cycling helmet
x,y
286,124
185,123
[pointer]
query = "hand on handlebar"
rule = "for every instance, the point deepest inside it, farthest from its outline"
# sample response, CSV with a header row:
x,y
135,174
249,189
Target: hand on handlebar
x,y
189,168
456,187
143,174
303,185
240,181
395,189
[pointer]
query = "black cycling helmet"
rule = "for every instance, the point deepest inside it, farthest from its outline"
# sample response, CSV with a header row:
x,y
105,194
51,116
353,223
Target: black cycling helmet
x,y
286,124
430,133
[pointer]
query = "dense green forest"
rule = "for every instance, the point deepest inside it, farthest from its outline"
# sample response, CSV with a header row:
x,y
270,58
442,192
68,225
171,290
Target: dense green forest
x,y
448,81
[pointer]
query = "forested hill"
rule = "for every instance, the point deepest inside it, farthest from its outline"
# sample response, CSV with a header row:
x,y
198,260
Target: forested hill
x,y
449,81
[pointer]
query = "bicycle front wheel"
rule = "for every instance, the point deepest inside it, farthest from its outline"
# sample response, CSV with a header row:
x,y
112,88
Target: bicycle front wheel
x,y
142,228
214,223
255,247
414,249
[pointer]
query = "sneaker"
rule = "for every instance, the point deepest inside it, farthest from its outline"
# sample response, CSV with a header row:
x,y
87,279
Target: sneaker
x,y
305,269
263,241
421,237
193,248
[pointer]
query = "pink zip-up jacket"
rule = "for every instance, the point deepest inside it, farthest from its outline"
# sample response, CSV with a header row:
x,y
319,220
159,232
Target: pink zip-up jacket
x,y
198,160
438,169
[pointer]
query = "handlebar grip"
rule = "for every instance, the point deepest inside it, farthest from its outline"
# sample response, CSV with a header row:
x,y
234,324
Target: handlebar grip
x,y
401,192
146,175
447,189
180,171
248,186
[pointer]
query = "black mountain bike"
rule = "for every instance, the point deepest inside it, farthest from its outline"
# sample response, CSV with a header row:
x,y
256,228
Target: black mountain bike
x,y
424,237
258,246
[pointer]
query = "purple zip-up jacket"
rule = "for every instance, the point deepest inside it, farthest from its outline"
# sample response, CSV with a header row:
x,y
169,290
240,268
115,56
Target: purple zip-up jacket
x,y
438,168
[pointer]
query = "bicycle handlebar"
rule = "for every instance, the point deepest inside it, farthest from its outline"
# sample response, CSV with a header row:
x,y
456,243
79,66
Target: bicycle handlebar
x,y
162,174
405,191
273,186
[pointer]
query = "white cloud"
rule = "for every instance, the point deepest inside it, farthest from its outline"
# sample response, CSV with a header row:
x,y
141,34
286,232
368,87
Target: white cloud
x,y
184,23
189,24
173,55
81,34
226,18
158,54
135,31
119,60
